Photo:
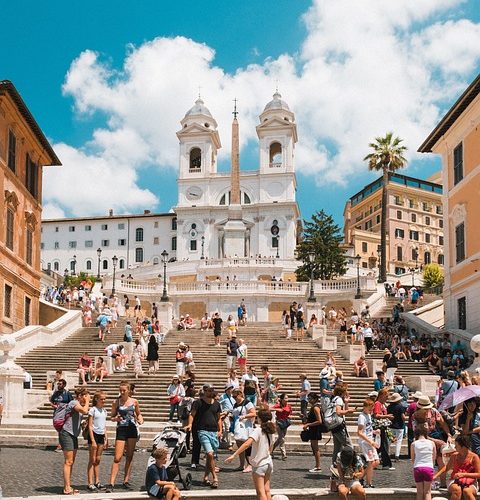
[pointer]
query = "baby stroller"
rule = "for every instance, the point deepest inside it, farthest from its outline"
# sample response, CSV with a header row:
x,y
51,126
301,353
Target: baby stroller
x,y
173,439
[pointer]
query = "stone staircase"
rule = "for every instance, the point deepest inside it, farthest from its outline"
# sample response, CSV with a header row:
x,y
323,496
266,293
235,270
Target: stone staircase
x,y
266,343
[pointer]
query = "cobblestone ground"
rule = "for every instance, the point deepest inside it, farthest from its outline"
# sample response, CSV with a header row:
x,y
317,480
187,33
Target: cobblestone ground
x,y
25,472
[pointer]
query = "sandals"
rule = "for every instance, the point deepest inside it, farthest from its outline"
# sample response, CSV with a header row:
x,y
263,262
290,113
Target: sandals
x,y
214,485
206,482
73,491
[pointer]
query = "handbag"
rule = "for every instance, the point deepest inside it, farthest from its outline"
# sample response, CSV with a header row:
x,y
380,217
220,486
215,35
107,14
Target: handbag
x,y
175,399
305,435
284,424
241,432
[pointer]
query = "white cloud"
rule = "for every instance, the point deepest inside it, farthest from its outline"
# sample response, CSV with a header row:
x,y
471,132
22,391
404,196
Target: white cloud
x,y
365,67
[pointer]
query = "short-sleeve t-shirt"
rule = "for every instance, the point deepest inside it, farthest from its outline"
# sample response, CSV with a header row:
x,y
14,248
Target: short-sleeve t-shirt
x,y
250,384
397,410
217,324
306,387
232,347
72,424
99,416
155,474
365,420
260,448
206,415
241,410
61,397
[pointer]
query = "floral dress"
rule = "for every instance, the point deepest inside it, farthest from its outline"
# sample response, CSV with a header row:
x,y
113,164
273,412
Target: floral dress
x,y
137,356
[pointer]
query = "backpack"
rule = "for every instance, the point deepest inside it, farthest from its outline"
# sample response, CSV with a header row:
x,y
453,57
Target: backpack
x,y
331,420
184,409
60,416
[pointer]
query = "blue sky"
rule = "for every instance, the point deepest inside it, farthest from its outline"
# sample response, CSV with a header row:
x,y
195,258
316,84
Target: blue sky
x,y
73,65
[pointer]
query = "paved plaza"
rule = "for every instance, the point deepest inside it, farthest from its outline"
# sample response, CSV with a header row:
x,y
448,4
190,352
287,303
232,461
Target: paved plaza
x,y
35,471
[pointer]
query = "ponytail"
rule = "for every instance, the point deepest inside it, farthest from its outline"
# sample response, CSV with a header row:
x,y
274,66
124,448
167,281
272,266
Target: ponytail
x,y
266,423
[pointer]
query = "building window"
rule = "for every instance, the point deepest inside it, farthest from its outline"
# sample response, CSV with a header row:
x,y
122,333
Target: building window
x,y
56,266
138,254
275,154
275,242
399,233
378,219
72,244
365,265
441,259
458,164
155,260
399,214
462,313
246,199
88,265
414,235
368,225
410,203
42,246
427,238
7,301
174,224
155,224
104,227
105,264
56,229
427,258
12,147
139,234
29,249
156,240
121,226
364,247
122,242
440,223
88,228
88,243
105,243
414,217
399,254
397,200
439,209
28,305
460,242
414,254
121,263
9,229
399,270
71,229
195,160
427,220
426,207
31,176
73,264
174,243
56,245
440,240
193,245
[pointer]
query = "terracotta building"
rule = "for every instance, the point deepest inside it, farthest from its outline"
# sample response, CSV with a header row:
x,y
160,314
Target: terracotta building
x,y
457,139
414,223
24,151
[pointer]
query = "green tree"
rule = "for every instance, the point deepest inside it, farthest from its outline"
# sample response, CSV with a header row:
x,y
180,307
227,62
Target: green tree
x,y
387,157
322,237
432,276
77,279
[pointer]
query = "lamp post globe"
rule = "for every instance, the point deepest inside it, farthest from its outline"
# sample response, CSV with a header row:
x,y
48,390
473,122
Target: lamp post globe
x,y
358,295
114,262
164,255
99,254
311,260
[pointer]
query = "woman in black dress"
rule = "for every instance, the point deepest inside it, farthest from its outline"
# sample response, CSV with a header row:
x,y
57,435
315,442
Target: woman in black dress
x,y
314,420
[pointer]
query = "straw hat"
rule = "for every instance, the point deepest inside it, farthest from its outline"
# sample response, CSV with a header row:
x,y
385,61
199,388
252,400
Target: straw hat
x,y
417,395
424,403
394,398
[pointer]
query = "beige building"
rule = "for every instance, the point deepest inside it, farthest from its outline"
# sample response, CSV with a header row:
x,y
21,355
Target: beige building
x,y
457,139
24,151
414,223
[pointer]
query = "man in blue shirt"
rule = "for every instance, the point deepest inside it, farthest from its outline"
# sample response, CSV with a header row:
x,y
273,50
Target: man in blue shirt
x,y
380,382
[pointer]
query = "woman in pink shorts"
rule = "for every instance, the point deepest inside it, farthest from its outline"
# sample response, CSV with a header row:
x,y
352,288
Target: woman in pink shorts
x,y
423,453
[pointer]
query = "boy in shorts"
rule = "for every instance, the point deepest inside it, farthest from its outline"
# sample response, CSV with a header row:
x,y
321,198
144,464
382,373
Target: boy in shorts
x,y
156,480
366,441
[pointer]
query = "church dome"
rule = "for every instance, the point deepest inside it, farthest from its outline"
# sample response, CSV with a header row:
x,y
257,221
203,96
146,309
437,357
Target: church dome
x,y
198,108
276,103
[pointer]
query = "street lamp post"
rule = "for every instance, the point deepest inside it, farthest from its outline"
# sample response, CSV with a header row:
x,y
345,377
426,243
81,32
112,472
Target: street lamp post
x,y
203,247
99,253
358,295
416,257
74,265
311,259
413,276
114,262
164,297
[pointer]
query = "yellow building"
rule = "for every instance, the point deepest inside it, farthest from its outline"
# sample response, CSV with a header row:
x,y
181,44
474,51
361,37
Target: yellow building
x,y
457,139
414,223
24,151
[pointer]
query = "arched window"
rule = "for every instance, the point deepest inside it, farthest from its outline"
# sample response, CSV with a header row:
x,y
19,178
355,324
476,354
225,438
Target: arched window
x,y
275,154
138,254
155,260
223,199
195,160
72,266
105,264
427,258
441,259
56,266
174,243
174,224
246,199
121,264
88,265
139,234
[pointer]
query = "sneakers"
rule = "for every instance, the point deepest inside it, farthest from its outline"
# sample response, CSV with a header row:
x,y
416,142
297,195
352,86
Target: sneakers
x,y
334,471
127,486
109,488
315,470
388,468
92,487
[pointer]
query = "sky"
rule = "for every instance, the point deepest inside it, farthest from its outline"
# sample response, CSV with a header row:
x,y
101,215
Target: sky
x,y
109,82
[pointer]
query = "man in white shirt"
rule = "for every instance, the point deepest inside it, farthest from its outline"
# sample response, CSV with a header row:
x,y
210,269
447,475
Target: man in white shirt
x,y
368,337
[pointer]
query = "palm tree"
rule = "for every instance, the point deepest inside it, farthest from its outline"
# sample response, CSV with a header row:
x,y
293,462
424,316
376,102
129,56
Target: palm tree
x,y
386,156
